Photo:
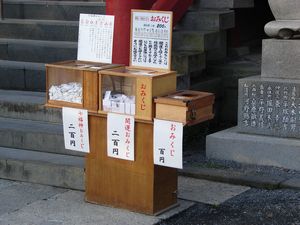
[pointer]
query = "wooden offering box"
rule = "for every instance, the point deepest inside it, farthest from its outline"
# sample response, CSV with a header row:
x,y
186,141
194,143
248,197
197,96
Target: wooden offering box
x,y
136,185
187,107
74,84
131,90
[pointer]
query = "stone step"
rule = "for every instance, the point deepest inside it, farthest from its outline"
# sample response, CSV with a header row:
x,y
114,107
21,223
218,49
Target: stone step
x,y
186,62
34,51
254,149
42,168
208,19
33,135
22,75
28,106
196,40
50,10
37,50
39,29
221,4
231,73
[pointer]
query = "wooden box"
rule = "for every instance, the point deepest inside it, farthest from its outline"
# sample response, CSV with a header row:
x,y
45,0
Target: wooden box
x,y
142,85
74,84
187,107
136,185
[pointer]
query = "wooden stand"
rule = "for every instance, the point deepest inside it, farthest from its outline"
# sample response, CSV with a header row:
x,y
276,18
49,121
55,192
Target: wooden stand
x,y
134,185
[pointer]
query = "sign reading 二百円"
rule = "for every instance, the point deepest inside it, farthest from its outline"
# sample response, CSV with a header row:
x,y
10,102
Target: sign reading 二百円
x,y
151,34
168,137
95,38
76,131
120,136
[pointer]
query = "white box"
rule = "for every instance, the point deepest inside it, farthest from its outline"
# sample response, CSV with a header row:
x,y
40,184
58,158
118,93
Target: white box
x,y
117,107
128,108
132,109
106,104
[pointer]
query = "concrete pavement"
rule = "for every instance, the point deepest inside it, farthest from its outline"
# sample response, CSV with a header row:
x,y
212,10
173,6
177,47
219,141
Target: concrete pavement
x,y
34,204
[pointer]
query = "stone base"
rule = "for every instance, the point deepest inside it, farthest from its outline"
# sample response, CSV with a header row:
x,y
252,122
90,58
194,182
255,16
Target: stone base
x,y
254,149
269,106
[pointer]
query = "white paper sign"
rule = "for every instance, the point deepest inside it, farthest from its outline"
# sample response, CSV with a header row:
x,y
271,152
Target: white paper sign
x,y
168,137
120,136
95,38
76,130
151,34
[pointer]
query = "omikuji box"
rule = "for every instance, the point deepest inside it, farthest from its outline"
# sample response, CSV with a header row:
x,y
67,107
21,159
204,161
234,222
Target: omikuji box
x,y
187,107
74,84
131,90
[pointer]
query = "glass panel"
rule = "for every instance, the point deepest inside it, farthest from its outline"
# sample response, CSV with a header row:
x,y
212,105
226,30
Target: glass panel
x,y
65,85
118,94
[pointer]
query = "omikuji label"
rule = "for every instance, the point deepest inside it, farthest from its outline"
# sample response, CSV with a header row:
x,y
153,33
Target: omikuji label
x,y
168,137
120,136
76,131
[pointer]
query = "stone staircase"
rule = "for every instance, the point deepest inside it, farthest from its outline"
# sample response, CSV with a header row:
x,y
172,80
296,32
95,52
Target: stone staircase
x,y
37,32
204,30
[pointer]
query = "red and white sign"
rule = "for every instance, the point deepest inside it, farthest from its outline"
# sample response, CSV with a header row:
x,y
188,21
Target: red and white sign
x,y
120,136
151,33
168,136
76,130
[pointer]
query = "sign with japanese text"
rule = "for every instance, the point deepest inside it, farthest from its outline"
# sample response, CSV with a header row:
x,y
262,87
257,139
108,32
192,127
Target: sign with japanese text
x,y
168,136
76,130
120,136
151,33
95,38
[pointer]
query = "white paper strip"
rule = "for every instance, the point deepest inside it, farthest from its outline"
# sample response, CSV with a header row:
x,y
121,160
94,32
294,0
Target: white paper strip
x,y
168,138
76,130
120,136
95,38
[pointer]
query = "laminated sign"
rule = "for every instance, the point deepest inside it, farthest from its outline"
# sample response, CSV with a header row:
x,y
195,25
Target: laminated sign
x,y
151,33
168,143
95,38
76,131
120,136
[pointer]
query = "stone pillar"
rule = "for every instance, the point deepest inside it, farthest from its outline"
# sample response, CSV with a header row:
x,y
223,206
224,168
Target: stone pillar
x,y
268,131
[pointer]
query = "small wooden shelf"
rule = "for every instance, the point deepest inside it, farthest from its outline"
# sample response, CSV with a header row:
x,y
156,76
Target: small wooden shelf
x,y
73,72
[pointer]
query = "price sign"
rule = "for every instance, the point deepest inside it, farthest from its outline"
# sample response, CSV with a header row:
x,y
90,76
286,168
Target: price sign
x,y
95,38
76,130
151,33
168,137
120,136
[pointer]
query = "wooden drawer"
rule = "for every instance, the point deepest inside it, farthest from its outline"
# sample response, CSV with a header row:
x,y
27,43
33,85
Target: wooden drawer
x,y
187,107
